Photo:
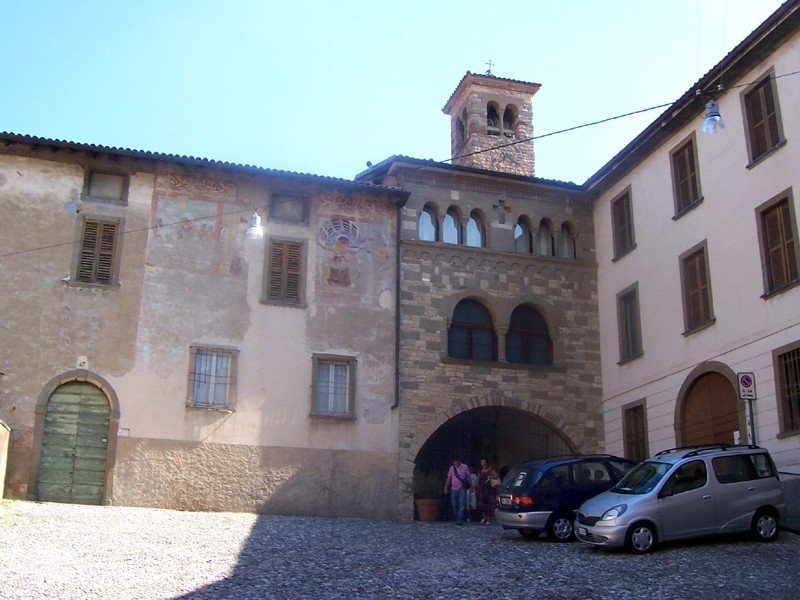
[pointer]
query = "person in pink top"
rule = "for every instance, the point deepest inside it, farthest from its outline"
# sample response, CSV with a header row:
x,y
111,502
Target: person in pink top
x,y
457,484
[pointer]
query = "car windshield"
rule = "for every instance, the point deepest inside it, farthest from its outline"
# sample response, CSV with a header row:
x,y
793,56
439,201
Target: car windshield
x,y
642,478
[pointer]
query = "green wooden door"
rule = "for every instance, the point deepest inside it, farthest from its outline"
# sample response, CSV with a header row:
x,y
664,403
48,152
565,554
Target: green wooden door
x,y
73,462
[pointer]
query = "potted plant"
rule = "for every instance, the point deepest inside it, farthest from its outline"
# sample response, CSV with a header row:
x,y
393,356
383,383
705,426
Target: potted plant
x,y
428,490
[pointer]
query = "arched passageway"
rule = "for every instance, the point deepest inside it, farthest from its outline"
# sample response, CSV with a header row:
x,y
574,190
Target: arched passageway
x,y
504,436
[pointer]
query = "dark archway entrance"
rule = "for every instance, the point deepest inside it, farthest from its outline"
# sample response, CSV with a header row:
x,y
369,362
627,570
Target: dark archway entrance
x,y
505,436
710,412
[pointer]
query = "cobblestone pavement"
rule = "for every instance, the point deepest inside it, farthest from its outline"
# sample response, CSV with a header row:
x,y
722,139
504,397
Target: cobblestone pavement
x,y
64,551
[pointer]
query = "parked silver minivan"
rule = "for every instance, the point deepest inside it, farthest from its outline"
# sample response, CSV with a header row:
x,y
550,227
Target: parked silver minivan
x,y
684,493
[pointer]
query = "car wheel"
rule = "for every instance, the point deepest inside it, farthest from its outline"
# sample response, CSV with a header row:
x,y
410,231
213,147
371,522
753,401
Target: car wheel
x,y
765,526
528,533
559,528
640,539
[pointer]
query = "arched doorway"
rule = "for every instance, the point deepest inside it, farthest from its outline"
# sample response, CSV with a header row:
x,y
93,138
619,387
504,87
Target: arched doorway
x,y
503,435
72,463
710,411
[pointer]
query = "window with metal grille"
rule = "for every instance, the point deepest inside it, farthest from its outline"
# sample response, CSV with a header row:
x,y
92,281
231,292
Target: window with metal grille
x,y
528,339
685,179
630,336
788,380
622,224
763,124
696,290
212,377
334,386
778,235
283,272
97,262
471,334
634,433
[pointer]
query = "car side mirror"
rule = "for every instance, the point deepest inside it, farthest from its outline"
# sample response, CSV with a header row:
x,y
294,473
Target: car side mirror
x,y
666,492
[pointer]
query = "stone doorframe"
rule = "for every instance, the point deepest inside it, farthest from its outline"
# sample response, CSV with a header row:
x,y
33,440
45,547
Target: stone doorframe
x,y
38,427
415,441
710,366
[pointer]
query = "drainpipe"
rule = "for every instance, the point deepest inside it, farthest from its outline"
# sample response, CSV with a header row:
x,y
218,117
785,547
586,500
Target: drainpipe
x,y
398,264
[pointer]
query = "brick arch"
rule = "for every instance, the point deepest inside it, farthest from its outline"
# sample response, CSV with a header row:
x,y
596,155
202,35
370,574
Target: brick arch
x,y
38,429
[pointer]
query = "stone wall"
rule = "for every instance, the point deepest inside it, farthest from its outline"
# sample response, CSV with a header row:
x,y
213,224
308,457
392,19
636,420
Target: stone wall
x,y
436,276
237,477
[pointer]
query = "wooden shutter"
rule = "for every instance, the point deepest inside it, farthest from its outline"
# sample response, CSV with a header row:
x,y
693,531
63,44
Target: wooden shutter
x,y
623,227
285,275
779,245
698,306
98,247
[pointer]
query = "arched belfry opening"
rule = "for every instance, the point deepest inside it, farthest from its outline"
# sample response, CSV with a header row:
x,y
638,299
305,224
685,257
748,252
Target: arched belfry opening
x,y
503,435
484,108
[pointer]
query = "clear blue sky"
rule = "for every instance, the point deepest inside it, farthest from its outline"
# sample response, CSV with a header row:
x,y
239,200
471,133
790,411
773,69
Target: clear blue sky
x,y
322,87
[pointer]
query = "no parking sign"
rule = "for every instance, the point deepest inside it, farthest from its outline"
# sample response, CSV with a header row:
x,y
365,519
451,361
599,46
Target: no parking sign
x,y
747,386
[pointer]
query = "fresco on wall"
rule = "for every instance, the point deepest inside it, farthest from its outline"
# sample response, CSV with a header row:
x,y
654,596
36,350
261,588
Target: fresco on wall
x,y
354,250
196,235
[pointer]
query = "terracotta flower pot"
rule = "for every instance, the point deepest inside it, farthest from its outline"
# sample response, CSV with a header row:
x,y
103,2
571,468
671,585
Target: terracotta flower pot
x,y
428,508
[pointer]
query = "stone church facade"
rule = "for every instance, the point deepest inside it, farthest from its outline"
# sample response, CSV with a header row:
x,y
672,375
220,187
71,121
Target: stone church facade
x,y
499,353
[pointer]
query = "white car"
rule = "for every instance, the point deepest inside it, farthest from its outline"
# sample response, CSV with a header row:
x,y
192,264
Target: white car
x,y
685,493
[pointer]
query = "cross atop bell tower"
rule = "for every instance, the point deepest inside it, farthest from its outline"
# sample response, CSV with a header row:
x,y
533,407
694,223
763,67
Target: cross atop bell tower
x,y
487,115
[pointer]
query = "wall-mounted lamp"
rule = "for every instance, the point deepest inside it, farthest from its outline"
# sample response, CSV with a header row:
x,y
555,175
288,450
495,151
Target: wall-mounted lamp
x,y
713,122
254,230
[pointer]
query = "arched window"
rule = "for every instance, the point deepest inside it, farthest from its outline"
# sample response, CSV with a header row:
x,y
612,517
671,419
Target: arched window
x,y
510,121
545,244
528,340
523,239
566,242
492,118
460,133
471,334
451,227
476,232
428,226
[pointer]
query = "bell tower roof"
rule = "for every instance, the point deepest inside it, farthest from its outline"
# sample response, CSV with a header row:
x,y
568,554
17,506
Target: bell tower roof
x,y
492,81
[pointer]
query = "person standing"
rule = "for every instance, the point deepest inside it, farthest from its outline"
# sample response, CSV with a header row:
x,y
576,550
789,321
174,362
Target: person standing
x,y
457,484
487,491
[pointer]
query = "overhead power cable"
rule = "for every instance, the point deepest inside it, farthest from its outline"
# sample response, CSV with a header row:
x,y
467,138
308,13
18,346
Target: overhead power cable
x,y
499,147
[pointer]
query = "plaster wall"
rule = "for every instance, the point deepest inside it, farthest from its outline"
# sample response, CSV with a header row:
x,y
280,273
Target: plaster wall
x,y
188,277
49,322
748,327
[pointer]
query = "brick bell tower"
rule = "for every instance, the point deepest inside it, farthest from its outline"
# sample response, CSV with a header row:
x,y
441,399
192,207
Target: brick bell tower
x,y
486,112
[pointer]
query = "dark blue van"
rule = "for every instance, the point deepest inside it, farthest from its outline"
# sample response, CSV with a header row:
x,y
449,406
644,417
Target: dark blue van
x,y
543,495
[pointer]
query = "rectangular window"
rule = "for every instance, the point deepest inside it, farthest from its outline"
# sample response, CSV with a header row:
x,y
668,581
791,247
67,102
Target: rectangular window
x,y
283,272
106,187
634,432
697,309
630,337
622,224
684,176
779,248
334,386
787,366
98,261
763,123
212,377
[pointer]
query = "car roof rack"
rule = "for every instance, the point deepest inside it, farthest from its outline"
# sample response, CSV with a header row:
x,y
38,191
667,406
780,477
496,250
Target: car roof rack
x,y
695,450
